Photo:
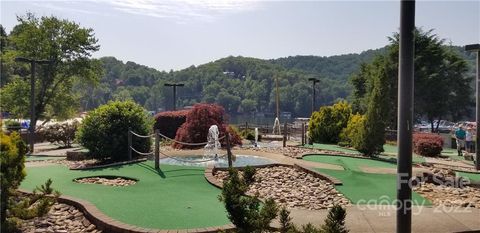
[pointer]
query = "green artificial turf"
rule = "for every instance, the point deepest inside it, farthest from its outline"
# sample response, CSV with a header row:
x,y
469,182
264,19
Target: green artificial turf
x,y
331,147
361,187
178,197
471,176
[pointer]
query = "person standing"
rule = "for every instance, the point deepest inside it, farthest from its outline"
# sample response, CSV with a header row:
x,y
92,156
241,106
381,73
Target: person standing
x,y
460,136
469,140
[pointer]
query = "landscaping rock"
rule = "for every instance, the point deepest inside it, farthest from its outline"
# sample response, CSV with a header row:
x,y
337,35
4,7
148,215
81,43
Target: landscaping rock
x,y
61,218
104,181
292,188
443,195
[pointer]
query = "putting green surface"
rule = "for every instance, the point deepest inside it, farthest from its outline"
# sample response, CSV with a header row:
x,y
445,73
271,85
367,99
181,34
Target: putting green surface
x,y
179,197
361,187
471,176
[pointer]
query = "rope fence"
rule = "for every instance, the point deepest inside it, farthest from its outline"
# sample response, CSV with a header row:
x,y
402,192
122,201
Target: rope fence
x,y
157,151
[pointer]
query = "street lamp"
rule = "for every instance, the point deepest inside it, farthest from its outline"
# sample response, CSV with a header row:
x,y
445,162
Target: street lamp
x,y
174,85
476,48
314,81
405,116
33,63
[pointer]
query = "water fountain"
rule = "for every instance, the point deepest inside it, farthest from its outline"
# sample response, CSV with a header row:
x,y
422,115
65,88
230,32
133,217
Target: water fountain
x,y
276,126
211,148
256,137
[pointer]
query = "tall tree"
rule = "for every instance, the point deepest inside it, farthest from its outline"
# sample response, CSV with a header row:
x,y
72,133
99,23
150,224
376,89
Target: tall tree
x,y
67,46
442,84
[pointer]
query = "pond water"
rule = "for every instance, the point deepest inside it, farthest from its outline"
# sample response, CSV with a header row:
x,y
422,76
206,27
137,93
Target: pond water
x,y
199,160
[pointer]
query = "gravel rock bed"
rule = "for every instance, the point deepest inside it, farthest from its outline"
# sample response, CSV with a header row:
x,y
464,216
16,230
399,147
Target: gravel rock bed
x,y
297,152
293,188
442,195
105,181
61,218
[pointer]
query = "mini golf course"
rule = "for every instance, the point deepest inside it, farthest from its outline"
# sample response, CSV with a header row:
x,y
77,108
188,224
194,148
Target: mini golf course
x,y
361,187
178,197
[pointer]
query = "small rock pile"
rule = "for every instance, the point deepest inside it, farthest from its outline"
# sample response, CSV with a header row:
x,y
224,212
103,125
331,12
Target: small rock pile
x,y
61,218
292,188
112,182
76,164
450,196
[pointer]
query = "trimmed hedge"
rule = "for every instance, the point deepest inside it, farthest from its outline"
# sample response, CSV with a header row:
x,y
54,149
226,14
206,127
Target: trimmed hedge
x,y
326,124
199,120
104,131
169,122
427,144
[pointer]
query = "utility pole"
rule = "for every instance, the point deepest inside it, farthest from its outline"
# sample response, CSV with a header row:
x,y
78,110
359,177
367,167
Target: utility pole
x,y
174,85
405,116
33,63
314,81
476,48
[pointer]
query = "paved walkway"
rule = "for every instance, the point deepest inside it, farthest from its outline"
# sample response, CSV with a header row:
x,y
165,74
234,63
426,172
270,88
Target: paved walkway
x,y
382,219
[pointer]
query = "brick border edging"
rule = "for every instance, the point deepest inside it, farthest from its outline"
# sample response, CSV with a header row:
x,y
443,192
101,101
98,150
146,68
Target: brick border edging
x,y
107,224
110,164
210,171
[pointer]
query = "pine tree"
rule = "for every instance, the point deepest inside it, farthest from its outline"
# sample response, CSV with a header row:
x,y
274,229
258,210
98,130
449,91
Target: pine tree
x,y
335,222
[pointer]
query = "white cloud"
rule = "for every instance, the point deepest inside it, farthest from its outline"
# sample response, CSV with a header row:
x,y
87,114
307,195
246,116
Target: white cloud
x,y
183,10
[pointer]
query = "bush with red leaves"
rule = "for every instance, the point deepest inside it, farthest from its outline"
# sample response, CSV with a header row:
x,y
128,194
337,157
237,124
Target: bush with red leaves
x,y
427,144
169,122
199,120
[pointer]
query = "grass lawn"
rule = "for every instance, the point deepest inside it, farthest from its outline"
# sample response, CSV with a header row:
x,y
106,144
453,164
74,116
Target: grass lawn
x,y
361,187
178,197
471,176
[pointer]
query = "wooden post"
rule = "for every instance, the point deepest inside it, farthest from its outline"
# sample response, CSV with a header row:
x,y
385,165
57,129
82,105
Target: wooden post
x,y
229,152
246,127
285,134
129,144
157,150
303,134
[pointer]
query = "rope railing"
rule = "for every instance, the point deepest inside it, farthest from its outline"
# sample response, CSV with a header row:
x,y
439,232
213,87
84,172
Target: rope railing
x,y
187,143
142,136
141,153
193,161
157,151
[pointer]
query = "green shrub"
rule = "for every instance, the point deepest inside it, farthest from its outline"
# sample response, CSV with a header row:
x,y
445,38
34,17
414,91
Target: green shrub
x,y
104,132
245,212
12,125
61,133
285,220
12,152
351,135
326,125
250,135
249,175
335,222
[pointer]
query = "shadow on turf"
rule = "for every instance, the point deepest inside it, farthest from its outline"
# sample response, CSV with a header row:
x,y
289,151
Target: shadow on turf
x,y
162,174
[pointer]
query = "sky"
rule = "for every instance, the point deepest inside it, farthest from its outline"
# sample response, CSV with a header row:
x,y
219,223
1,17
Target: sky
x,y
172,35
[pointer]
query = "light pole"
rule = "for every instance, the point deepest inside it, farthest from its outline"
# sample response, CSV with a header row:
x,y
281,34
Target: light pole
x,y
476,48
314,81
174,85
405,116
33,63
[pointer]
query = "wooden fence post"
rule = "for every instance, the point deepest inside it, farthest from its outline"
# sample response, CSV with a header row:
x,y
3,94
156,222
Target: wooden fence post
x,y
285,134
129,144
229,151
157,150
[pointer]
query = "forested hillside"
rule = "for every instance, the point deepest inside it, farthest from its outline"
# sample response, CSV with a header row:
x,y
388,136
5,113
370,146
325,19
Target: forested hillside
x,y
240,84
